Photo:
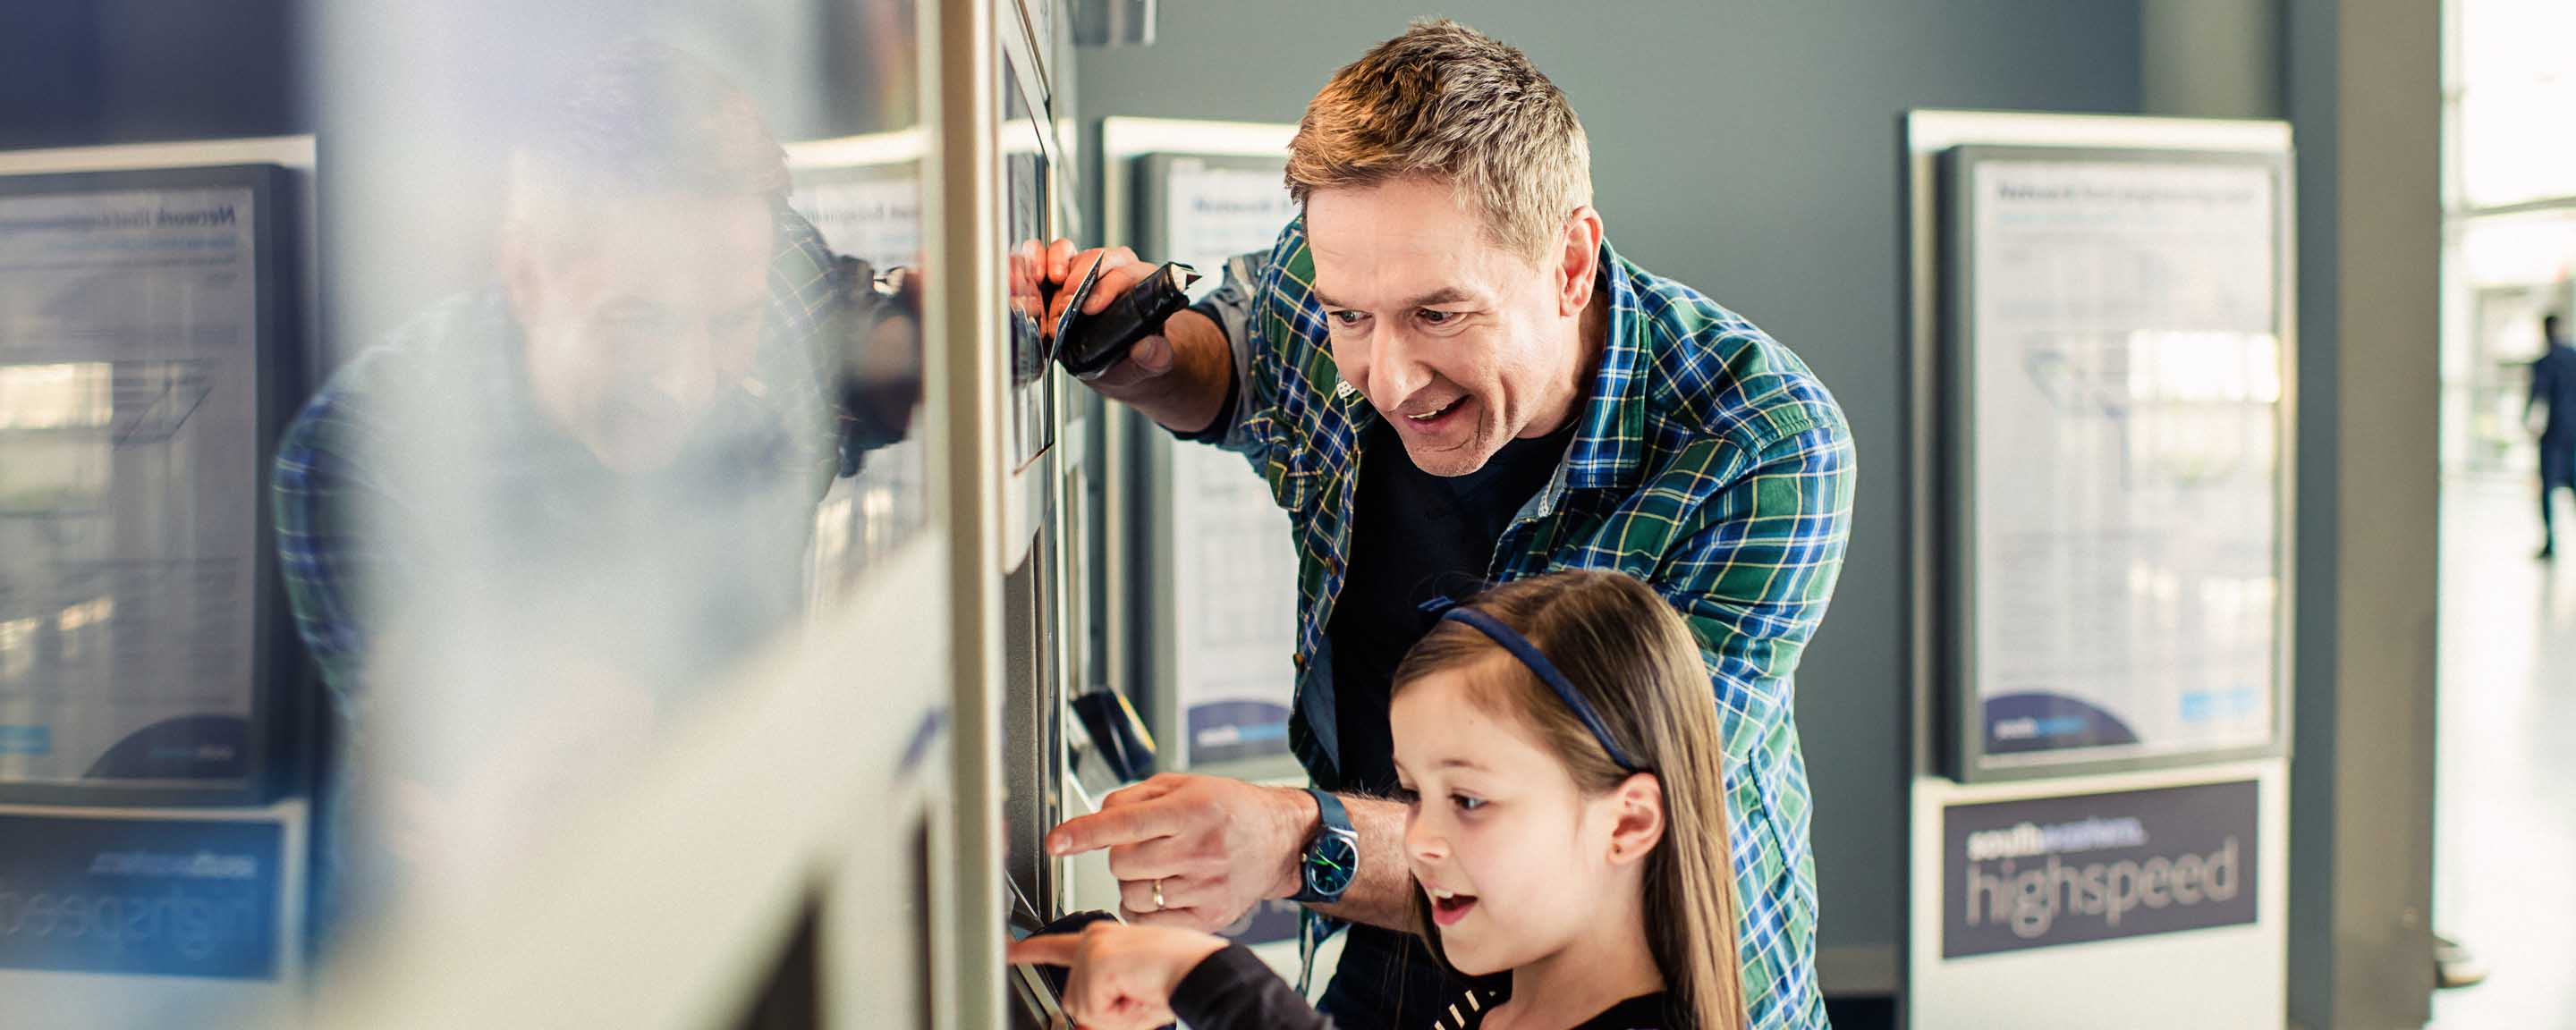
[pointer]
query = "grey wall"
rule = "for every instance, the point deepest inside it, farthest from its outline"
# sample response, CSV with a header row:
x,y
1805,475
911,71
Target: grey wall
x,y
1748,148
87,72
2210,58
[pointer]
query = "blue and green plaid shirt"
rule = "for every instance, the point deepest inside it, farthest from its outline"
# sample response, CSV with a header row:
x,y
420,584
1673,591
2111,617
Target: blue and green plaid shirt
x,y
423,469
1708,462
452,384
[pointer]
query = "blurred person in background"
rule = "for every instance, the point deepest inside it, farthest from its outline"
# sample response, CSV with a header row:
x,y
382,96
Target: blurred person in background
x,y
521,532
2553,390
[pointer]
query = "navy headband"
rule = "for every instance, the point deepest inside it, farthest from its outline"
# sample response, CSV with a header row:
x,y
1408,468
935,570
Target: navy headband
x,y
1529,655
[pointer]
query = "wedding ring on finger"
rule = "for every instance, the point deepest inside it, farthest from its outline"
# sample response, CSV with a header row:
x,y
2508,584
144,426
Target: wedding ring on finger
x,y
1158,895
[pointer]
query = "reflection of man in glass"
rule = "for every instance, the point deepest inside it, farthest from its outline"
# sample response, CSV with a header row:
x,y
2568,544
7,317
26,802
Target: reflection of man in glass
x,y
529,525
2553,387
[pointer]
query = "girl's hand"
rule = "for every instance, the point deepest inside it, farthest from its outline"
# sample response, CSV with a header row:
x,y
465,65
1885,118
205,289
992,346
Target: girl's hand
x,y
1123,976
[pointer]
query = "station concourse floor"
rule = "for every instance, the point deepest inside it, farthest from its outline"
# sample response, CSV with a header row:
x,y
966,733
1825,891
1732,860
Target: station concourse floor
x,y
2504,873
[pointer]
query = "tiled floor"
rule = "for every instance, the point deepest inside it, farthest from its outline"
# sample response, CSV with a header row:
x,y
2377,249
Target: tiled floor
x,y
2505,824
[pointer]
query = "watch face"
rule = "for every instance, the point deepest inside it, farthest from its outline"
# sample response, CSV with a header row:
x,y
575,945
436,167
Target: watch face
x,y
1331,863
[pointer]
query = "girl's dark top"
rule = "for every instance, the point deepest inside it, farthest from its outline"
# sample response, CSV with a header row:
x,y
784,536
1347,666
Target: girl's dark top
x,y
1233,990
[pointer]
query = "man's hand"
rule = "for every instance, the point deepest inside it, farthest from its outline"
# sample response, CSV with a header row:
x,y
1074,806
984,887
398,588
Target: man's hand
x,y
1120,271
1211,846
1122,976
1177,377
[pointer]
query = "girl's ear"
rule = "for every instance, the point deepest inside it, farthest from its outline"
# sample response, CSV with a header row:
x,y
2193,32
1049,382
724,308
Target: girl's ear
x,y
1637,823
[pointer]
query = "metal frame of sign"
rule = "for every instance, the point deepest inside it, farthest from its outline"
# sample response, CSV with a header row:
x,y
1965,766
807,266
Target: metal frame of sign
x,y
277,381
1965,756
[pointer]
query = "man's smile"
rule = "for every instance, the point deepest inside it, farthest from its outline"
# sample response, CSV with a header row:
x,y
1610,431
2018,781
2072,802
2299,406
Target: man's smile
x,y
1440,422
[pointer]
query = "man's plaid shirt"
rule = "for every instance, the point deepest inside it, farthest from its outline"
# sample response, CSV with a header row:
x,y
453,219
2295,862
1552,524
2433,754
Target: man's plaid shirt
x,y
460,362
1708,462
424,461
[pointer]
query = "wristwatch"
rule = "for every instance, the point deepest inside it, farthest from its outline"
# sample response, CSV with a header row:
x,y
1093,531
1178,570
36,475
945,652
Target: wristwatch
x,y
1332,858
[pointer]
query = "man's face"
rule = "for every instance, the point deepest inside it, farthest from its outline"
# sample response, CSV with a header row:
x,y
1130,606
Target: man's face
x,y
638,320
1460,343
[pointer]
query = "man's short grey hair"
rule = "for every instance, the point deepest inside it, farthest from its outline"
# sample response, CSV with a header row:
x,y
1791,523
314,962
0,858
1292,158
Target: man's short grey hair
x,y
644,118
1446,102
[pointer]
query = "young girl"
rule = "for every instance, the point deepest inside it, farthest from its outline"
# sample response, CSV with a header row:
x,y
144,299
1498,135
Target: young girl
x,y
1560,755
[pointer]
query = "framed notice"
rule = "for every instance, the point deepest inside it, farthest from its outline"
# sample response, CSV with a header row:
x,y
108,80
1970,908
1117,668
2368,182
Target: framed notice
x,y
143,369
1227,566
2116,457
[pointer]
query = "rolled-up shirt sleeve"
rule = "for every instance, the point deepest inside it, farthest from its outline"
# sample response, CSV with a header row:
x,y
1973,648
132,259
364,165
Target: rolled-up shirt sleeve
x,y
1231,308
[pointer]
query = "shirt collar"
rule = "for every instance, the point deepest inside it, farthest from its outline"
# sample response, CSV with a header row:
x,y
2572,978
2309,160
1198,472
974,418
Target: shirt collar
x,y
1609,449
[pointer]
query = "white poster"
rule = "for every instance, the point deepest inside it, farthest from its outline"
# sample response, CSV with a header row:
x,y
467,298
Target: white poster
x,y
1234,565
1214,212
129,466
2126,383
874,219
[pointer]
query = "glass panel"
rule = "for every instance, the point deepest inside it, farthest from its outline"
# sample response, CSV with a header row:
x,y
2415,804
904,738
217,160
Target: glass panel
x,y
862,192
629,395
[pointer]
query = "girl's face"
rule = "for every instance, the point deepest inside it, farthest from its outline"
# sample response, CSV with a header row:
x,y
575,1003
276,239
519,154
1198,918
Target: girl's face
x,y
1515,860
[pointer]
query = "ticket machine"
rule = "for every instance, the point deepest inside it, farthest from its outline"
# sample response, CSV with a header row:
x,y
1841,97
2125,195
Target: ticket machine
x,y
837,820
849,831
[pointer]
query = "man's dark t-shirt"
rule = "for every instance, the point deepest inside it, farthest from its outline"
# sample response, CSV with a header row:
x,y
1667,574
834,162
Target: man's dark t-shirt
x,y
1414,536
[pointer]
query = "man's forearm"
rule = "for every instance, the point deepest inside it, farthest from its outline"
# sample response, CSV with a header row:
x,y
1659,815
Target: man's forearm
x,y
1187,398
1383,893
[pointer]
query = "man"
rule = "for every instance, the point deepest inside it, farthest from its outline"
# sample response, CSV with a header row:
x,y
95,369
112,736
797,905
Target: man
x,y
2553,387
1447,376
546,513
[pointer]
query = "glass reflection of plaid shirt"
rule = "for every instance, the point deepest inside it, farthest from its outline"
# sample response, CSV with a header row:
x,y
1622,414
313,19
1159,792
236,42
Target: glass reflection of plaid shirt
x,y
1709,462
323,485
336,505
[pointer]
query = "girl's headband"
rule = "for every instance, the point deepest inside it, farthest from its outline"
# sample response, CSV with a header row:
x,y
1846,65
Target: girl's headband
x,y
1529,655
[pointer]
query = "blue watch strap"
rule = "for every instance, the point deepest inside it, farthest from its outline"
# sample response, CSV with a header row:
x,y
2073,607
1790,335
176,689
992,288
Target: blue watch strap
x,y
1329,808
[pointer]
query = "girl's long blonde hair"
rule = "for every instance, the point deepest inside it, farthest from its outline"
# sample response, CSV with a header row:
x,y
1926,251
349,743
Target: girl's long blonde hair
x,y
1636,663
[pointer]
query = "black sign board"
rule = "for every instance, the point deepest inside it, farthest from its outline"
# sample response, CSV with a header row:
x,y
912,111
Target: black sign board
x,y
2065,870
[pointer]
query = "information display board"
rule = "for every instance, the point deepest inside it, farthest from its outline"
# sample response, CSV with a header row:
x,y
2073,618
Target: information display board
x,y
2118,464
141,356
1232,588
